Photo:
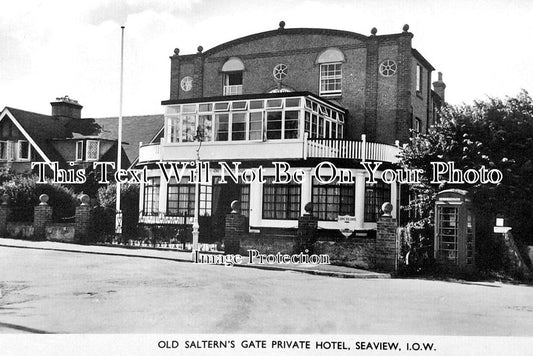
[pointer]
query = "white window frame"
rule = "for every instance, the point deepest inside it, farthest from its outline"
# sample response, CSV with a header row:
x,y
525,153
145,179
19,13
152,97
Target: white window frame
x,y
87,145
11,151
326,78
79,151
19,151
419,76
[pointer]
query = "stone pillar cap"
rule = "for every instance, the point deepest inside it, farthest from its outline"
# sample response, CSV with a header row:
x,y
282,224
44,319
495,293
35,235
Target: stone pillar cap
x,y
386,208
43,198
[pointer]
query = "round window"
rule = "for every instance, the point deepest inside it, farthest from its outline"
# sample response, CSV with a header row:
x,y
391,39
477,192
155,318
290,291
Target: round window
x,y
280,71
186,83
387,68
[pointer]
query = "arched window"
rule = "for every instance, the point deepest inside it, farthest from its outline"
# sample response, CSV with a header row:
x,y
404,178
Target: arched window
x,y
233,70
330,62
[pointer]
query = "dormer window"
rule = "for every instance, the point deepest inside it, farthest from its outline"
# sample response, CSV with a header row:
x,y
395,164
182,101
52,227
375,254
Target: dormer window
x,y
233,76
93,150
330,62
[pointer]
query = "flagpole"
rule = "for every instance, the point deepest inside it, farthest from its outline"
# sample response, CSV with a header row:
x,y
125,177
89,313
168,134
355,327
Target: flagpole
x,y
118,218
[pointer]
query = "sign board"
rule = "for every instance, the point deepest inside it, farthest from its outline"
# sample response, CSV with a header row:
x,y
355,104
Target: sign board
x,y
346,224
501,229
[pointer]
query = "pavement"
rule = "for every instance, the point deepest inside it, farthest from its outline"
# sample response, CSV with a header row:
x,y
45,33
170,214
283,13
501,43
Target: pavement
x,y
185,256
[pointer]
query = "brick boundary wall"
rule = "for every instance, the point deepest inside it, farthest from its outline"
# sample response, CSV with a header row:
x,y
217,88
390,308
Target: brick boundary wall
x,y
4,214
82,223
352,252
387,244
42,214
236,229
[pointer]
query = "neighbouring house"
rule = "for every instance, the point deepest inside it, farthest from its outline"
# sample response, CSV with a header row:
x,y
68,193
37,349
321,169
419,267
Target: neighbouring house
x,y
301,96
68,139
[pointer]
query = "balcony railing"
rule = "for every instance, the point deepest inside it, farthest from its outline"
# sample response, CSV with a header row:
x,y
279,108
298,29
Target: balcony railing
x,y
232,89
272,149
360,150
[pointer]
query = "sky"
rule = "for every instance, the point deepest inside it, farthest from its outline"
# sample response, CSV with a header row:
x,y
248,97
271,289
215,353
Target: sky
x,y
55,48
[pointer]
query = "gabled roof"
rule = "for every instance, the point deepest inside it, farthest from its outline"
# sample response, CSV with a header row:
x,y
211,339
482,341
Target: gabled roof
x,y
422,60
43,129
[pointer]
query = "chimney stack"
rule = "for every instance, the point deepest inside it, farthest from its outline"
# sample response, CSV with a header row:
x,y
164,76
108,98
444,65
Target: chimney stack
x,y
439,87
66,107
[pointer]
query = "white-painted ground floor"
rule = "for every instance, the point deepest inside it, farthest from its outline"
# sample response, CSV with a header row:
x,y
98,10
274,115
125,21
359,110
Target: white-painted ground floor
x,y
271,195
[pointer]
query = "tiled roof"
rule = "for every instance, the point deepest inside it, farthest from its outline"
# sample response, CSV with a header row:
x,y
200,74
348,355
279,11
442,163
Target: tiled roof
x,y
135,129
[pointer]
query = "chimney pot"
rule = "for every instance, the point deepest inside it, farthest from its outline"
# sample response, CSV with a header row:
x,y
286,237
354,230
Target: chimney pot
x,y
66,107
439,86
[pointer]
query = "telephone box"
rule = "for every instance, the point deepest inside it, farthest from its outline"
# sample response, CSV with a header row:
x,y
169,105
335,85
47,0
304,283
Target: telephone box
x,y
454,229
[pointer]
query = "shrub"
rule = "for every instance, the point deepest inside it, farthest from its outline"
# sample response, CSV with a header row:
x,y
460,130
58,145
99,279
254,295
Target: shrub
x,y
24,192
129,197
102,227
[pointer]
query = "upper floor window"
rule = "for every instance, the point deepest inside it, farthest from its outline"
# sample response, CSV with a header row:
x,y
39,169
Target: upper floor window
x,y
253,119
330,62
3,150
15,150
330,79
417,125
93,150
418,78
233,74
79,150
24,150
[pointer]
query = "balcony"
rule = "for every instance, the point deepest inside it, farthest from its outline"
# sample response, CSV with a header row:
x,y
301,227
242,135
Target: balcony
x,y
270,150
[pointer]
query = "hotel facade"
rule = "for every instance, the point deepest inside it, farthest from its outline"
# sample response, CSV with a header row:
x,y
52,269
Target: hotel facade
x,y
301,96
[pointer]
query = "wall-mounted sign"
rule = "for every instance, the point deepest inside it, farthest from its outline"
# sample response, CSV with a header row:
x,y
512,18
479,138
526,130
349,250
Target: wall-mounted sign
x,y
346,224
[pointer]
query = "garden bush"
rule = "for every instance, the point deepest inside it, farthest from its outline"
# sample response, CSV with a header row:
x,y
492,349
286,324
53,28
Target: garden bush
x,y
129,198
24,192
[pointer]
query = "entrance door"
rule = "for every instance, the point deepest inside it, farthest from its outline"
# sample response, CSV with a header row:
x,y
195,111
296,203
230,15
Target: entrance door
x,y
223,195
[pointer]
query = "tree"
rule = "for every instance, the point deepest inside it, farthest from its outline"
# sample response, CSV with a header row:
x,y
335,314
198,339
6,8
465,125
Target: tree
x,y
496,134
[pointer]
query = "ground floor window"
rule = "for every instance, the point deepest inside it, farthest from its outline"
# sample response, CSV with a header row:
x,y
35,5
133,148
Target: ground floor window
x,y
151,196
375,196
245,199
224,194
281,201
332,200
180,198
206,197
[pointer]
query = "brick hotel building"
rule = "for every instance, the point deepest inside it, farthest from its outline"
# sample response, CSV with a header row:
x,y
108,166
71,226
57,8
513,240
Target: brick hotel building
x,y
298,95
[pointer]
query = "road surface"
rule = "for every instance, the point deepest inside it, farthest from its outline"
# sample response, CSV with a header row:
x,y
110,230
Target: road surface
x,y
62,292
